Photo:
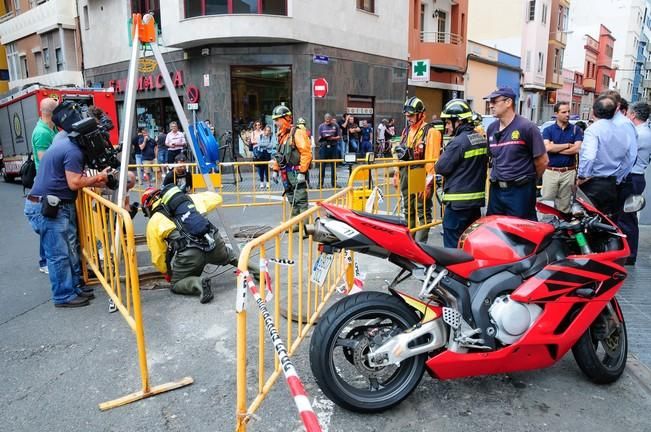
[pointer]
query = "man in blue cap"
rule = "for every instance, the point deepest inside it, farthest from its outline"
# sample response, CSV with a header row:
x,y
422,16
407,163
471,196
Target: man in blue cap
x,y
518,157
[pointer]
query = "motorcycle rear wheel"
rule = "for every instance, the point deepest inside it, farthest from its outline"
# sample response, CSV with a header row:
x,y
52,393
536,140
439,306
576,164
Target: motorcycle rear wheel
x,y
341,341
602,350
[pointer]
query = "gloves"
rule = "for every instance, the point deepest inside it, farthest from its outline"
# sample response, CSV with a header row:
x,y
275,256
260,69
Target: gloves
x,y
274,177
133,209
300,178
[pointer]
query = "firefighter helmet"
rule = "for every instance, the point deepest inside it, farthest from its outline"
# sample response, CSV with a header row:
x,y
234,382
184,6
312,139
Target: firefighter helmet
x,y
280,111
457,109
413,105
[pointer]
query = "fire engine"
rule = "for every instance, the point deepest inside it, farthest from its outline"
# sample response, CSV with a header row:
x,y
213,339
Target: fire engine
x,y
19,113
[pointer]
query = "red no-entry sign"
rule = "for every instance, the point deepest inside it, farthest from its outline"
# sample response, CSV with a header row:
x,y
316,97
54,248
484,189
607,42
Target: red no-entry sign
x,y
320,87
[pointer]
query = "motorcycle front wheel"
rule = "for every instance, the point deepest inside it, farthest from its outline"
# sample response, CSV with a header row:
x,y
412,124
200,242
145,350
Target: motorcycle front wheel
x,y
601,351
348,331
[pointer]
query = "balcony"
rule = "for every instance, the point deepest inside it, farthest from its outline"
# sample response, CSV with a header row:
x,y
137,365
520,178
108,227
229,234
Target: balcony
x,y
559,37
440,37
56,79
39,19
446,51
589,84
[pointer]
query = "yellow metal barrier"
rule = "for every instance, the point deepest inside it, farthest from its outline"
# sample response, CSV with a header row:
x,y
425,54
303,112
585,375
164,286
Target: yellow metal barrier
x,y
383,183
289,257
108,248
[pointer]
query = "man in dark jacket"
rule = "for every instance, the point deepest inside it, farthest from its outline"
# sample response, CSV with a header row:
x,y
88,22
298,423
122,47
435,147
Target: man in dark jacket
x,y
463,167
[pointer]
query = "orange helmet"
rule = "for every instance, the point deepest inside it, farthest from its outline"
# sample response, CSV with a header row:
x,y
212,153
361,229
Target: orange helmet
x,y
149,196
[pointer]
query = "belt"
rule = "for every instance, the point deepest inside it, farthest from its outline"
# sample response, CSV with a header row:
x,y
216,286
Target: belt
x,y
38,199
562,169
507,184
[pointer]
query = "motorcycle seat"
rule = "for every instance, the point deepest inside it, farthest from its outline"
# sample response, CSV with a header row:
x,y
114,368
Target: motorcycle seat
x,y
446,256
394,220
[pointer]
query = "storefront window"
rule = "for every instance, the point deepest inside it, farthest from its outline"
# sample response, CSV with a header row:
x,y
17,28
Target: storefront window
x,y
256,90
155,114
195,8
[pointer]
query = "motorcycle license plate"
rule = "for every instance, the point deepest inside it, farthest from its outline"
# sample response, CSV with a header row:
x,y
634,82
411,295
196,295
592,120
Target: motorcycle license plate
x,y
321,268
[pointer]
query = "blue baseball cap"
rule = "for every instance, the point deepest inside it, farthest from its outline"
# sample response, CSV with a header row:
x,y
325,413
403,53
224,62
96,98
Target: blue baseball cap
x,y
506,92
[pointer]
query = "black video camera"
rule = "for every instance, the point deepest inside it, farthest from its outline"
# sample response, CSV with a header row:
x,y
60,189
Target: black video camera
x,y
92,136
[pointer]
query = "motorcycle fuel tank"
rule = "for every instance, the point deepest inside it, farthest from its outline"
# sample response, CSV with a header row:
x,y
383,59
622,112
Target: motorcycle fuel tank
x,y
495,240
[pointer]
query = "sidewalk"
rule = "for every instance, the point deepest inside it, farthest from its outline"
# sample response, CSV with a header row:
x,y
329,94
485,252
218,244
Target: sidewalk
x,y
57,365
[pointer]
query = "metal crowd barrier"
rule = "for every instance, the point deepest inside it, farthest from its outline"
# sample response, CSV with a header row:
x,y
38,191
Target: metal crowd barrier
x,y
376,189
108,250
293,302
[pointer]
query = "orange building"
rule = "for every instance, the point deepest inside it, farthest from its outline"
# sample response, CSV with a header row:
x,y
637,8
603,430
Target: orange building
x,y
438,32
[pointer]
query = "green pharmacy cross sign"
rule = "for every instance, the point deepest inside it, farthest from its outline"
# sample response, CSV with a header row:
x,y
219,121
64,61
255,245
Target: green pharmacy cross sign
x,y
420,70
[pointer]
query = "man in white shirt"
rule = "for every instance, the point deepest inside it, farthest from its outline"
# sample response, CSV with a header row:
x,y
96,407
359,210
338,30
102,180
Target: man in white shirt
x,y
175,142
639,115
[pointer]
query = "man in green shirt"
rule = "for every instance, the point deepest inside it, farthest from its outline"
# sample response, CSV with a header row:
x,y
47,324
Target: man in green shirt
x,y
44,131
42,137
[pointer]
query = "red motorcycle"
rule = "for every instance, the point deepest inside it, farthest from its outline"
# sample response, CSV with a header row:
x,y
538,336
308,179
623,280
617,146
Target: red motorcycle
x,y
516,295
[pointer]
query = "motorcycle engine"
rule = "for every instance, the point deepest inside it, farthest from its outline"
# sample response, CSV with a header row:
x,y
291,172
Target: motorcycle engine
x,y
512,318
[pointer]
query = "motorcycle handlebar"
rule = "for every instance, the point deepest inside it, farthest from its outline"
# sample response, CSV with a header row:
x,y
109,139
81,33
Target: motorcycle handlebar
x,y
603,227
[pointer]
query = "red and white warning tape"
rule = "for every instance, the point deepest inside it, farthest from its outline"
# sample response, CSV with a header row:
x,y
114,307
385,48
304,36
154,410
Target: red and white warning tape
x,y
296,388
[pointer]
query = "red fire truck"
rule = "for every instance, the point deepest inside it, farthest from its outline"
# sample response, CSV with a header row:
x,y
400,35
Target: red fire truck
x,y
19,113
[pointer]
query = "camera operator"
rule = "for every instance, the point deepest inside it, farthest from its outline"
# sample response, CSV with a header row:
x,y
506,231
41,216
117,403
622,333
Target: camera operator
x,y
50,209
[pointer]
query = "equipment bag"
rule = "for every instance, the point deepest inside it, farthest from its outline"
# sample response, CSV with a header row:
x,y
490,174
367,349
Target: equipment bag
x,y
28,172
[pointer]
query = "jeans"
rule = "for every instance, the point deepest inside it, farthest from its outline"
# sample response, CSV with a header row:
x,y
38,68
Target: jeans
x,y
139,163
263,172
42,262
634,185
455,223
342,148
55,235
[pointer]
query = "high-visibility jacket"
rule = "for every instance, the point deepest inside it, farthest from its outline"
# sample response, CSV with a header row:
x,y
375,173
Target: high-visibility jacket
x,y
463,166
159,227
425,142
301,146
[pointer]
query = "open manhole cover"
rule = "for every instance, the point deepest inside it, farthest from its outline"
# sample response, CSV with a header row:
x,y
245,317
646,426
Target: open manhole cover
x,y
251,231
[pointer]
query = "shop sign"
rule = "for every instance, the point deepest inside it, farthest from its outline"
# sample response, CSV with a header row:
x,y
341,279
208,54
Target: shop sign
x,y
420,70
359,111
148,82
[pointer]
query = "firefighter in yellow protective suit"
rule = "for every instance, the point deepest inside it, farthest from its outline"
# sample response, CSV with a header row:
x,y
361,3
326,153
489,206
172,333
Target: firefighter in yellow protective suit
x,y
175,251
421,141
292,160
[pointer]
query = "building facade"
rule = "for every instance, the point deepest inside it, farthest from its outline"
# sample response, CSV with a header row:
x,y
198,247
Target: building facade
x,y
437,31
240,59
41,39
554,79
488,69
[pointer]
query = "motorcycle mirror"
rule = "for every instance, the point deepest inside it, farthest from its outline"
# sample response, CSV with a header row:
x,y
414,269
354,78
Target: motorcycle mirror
x,y
634,203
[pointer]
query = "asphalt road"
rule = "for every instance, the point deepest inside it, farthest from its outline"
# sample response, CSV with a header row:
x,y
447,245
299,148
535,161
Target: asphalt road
x,y
57,365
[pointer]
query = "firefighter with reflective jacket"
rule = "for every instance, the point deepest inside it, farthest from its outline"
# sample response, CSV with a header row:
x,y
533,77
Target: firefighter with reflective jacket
x,y
182,240
463,167
292,159
420,141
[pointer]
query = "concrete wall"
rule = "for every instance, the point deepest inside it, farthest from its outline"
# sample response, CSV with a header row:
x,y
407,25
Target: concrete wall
x,y
348,73
339,24
481,80
483,16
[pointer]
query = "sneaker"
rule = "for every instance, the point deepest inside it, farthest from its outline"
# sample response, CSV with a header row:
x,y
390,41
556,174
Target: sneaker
x,y
206,292
44,270
261,185
76,302
630,261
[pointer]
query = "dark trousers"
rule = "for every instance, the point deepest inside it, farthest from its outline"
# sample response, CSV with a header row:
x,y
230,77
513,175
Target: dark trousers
x,y
519,201
326,153
602,191
455,223
171,155
634,185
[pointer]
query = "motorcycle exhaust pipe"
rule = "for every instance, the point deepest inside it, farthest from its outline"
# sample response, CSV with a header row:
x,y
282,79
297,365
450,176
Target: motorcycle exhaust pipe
x,y
320,233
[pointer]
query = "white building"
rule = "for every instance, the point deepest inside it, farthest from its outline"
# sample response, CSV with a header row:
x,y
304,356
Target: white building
x,y
42,43
625,20
244,60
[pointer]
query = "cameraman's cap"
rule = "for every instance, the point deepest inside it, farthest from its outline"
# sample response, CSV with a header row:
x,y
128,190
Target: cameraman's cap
x,y
66,114
506,92
180,158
